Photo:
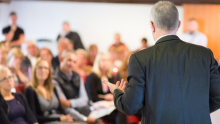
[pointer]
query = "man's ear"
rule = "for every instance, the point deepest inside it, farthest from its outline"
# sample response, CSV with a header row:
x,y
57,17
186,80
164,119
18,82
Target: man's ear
x,y
178,26
152,26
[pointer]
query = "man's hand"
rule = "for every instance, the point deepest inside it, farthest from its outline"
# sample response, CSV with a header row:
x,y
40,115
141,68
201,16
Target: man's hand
x,y
91,120
13,28
119,85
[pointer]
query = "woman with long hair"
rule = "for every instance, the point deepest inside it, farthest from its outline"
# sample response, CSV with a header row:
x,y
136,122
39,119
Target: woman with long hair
x,y
98,91
81,68
43,98
14,59
3,55
46,54
14,108
92,52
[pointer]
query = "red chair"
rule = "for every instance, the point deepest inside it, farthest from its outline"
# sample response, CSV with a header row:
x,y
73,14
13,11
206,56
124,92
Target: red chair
x,y
133,119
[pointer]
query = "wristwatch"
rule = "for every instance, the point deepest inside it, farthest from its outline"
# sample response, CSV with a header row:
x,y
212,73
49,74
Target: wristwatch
x,y
85,119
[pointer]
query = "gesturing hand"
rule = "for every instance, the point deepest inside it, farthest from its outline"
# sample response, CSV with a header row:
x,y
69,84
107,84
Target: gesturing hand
x,y
119,85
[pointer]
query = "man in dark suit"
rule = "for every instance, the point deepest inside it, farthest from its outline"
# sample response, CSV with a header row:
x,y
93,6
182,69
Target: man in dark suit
x,y
175,82
72,36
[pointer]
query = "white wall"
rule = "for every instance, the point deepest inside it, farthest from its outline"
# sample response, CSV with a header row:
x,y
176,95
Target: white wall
x,y
4,10
95,22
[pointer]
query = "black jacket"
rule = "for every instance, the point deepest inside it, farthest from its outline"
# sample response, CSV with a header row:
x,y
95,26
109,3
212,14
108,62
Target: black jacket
x,y
32,99
4,109
70,87
175,82
75,38
25,66
94,87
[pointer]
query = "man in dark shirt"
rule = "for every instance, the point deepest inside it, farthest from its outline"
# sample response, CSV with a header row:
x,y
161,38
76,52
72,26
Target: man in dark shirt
x,y
63,44
13,34
73,36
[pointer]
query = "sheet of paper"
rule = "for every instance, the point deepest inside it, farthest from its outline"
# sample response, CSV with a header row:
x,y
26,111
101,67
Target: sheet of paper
x,y
101,112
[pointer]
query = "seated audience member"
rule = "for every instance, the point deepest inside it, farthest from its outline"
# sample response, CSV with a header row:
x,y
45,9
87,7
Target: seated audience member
x,y
72,36
118,51
143,44
63,44
193,35
93,50
123,74
30,59
98,91
5,45
71,90
14,59
14,108
81,68
46,54
42,96
14,35
3,55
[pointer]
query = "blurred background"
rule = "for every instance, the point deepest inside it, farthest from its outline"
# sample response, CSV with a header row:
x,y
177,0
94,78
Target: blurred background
x,y
97,22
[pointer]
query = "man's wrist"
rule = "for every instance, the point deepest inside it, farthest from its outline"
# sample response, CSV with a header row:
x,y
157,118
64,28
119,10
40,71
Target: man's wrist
x,y
85,119
69,103
12,30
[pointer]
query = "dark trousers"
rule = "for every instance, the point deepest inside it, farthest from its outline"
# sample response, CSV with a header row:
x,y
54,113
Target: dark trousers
x,y
116,117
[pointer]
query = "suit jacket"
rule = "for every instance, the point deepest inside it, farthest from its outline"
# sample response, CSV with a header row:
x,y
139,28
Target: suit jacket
x,y
175,82
75,38
26,66
55,63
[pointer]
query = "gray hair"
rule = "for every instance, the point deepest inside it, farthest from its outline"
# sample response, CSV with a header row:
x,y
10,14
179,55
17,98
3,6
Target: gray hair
x,y
66,52
64,39
165,16
3,69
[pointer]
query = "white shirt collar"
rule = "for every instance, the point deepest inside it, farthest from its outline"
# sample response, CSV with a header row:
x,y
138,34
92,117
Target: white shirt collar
x,y
164,36
32,59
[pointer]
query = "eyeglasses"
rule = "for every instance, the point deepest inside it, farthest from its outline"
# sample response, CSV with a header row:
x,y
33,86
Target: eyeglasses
x,y
6,79
41,68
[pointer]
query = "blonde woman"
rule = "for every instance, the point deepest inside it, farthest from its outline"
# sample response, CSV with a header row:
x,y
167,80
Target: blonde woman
x,y
81,68
98,91
92,52
14,59
42,96
14,108
3,55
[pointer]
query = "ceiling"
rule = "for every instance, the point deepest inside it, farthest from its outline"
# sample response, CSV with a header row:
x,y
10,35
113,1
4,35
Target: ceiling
x,y
178,2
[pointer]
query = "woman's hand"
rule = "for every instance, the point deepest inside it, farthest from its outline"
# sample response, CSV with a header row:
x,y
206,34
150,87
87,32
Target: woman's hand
x,y
108,97
66,118
69,118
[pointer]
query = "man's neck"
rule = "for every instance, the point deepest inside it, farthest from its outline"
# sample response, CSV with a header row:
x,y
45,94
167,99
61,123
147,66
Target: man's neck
x,y
64,71
161,34
31,56
67,32
118,43
14,24
192,32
